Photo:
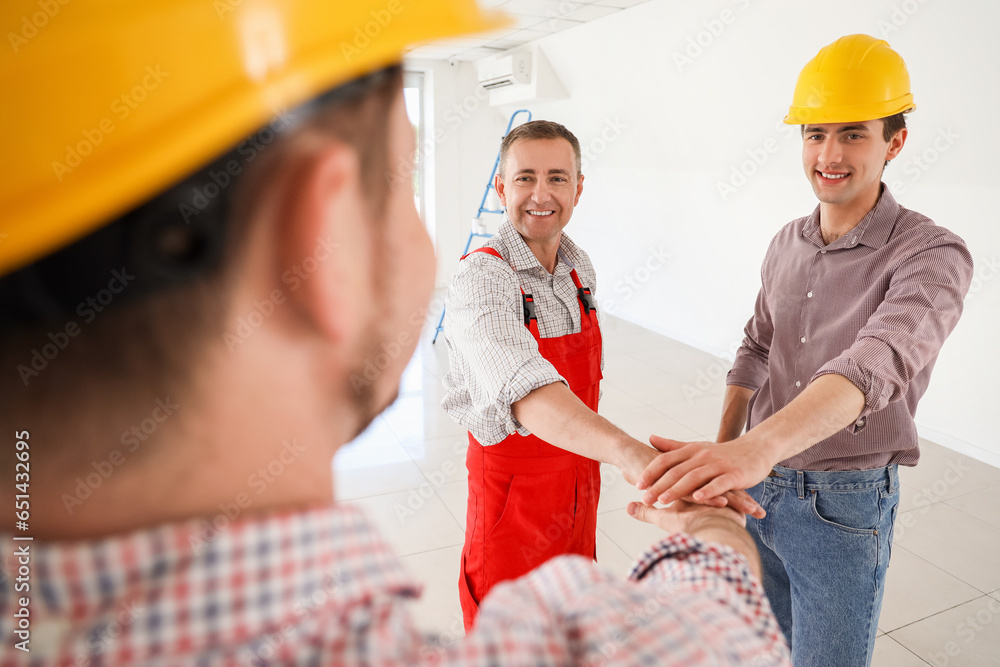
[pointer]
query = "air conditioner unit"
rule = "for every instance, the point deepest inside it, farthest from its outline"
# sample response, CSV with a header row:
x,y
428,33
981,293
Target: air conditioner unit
x,y
505,71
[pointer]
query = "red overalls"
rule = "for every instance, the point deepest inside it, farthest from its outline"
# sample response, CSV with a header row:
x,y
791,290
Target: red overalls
x,y
528,500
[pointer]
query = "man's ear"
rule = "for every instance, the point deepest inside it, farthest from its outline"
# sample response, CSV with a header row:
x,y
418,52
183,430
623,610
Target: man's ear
x,y
322,242
579,189
896,144
498,186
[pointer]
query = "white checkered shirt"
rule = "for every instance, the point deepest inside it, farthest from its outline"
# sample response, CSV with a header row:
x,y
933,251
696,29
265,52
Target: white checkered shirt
x,y
494,360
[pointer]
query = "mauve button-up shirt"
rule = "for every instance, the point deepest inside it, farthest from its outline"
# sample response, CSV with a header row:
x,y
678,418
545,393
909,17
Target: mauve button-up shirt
x,y
874,306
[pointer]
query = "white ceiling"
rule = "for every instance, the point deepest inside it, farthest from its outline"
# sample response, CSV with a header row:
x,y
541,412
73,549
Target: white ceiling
x,y
533,19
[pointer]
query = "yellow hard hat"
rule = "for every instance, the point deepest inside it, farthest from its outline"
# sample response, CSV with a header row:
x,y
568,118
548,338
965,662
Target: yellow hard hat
x,y
857,78
108,102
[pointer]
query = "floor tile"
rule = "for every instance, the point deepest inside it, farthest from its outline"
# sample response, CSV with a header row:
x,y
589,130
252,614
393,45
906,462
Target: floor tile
x,y
915,589
702,415
372,471
441,460
630,535
378,434
438,610
411,522
954,541
611,557
943,474
616,493
656,387
620,367
964,636
455,497
984,505
642,422
889,653
413,420
614,399
911,499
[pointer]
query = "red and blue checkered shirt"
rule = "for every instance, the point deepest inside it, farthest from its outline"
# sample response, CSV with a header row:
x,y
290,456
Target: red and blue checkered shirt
x,y
324,588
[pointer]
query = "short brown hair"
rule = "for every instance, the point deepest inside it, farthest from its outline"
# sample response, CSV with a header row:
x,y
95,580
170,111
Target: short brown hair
x,y
538,129
153,342
891,125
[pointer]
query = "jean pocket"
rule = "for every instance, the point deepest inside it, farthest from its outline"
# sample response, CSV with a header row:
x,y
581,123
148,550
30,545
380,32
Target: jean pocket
x,y
857,511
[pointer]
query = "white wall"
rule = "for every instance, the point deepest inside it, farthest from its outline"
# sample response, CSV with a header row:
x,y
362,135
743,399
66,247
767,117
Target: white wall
x,y
662,133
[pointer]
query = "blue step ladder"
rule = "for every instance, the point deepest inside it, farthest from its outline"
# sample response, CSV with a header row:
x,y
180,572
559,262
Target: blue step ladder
x,y
478,228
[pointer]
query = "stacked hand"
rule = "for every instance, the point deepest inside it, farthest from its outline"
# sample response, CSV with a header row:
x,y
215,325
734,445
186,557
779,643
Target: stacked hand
x,y
701,472
649,470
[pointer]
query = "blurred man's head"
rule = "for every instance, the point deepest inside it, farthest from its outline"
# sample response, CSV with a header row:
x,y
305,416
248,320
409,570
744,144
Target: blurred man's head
x,y
252,292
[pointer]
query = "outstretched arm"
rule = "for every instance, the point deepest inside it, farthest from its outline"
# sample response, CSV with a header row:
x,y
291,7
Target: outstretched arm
x,y
704,470
557,416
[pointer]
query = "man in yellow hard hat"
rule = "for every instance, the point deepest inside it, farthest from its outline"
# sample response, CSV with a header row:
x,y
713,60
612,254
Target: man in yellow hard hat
x,y
199,250
856,300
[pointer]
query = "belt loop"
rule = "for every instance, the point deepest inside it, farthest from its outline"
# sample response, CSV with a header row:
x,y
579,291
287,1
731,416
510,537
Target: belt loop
x,y
893,472
800,483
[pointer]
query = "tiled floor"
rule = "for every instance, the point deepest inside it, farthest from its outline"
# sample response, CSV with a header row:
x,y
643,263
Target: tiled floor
x,y
942,604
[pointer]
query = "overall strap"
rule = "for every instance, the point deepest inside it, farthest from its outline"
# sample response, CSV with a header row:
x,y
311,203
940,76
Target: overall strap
x,y
527,301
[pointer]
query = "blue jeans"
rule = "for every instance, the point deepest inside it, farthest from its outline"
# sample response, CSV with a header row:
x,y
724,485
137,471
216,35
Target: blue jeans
x,y
824,546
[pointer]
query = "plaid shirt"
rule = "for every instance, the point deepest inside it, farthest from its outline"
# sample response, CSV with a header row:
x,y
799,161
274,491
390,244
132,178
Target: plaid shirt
x,y
323,588
493,359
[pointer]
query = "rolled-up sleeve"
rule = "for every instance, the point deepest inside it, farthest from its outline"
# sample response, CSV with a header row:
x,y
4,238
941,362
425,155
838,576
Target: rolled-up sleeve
x,y
750,366
921,308
494,360
687,603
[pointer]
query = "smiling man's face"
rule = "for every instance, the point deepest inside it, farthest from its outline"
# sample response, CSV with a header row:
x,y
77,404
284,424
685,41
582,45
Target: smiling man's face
x,y
844,161
540,187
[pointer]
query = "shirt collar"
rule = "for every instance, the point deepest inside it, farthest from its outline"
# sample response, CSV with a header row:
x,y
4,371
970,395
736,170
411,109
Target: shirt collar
x,y
522,259
873,230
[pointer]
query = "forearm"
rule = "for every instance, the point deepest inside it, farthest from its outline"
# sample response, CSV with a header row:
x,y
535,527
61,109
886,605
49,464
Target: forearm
x,y
829,404
557,416
734,412
724,531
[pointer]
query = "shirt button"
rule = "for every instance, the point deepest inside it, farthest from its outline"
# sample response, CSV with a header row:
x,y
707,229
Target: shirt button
x,y
861,422
798,384
809,294
822,252
803,339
